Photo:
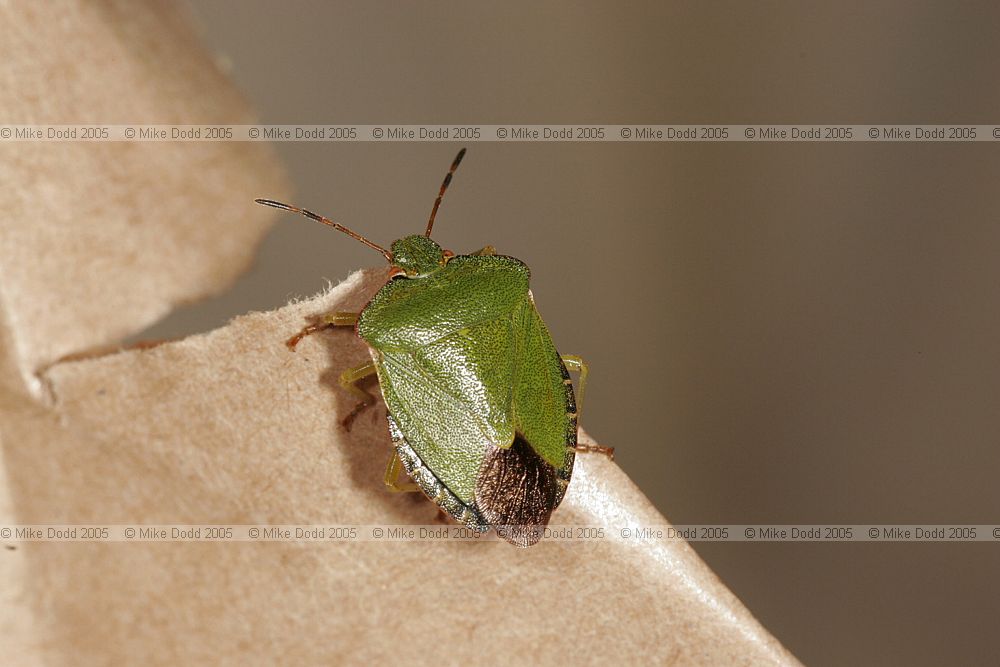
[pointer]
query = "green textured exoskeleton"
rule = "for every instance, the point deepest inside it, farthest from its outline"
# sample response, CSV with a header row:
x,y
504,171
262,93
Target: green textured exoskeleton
x,y
481,407
481,410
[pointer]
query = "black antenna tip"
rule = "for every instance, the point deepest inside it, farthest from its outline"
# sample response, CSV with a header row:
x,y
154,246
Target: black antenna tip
x,y
271,202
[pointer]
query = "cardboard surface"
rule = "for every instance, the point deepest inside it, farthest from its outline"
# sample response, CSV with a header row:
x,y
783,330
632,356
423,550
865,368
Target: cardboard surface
x,y
230,427
98,239
172,221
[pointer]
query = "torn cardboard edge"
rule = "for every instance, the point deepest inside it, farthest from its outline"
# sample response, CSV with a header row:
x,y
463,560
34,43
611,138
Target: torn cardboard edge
x,y
230,427
100,239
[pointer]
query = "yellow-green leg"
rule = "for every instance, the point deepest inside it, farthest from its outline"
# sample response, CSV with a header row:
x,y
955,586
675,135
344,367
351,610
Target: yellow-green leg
x,y
350,377
575,364
338,319
349,380
392,473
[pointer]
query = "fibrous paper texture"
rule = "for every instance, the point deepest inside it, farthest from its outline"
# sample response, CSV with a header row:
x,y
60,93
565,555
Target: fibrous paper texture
x,y
233,428
230,427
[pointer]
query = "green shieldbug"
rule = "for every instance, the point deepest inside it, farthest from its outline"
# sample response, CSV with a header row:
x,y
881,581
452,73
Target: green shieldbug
x,y
481,407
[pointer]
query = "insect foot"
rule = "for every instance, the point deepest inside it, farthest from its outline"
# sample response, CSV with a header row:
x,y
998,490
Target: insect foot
x,y
306,331
597,449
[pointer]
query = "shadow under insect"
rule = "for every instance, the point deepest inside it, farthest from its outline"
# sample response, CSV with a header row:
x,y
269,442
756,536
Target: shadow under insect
x,y
367,445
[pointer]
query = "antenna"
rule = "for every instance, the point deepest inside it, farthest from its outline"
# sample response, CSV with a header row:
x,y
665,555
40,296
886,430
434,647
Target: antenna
x,y
444,186
327,221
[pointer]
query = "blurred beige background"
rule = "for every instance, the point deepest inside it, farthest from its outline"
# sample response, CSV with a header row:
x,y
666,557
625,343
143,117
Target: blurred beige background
x,y
777,333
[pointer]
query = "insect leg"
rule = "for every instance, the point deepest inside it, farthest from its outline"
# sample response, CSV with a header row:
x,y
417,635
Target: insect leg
x,y
348,380
576,364
392,473
596,449
338,319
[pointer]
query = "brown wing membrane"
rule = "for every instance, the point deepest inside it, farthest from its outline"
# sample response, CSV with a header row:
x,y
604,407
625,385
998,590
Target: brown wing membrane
x,y
516,492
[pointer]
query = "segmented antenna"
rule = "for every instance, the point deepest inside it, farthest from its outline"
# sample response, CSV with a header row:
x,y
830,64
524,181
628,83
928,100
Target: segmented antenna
x,y
444,186
326,221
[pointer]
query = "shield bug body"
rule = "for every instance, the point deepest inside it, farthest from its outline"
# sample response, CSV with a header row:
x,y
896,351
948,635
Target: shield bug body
x,y
481,408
